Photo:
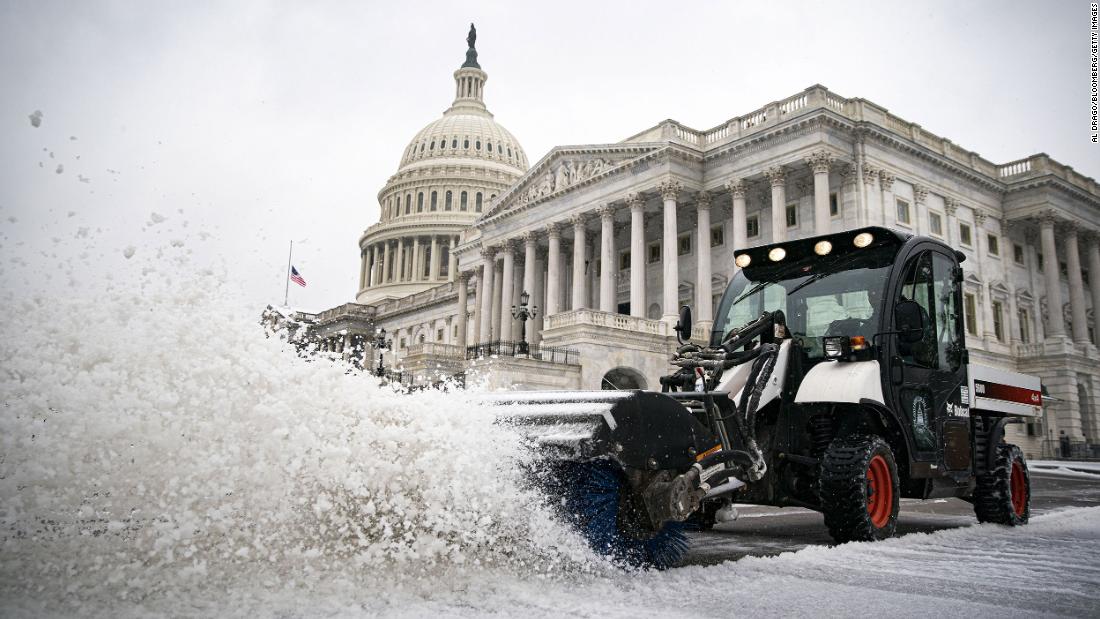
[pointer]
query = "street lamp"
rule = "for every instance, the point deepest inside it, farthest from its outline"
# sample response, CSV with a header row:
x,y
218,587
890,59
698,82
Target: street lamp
x,y
523,314
381,344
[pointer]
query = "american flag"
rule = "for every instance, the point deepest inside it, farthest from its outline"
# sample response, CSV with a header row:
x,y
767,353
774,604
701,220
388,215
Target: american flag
x,y
296,277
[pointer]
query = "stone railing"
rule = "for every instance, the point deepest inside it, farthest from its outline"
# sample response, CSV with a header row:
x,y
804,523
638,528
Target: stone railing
x,y
347,310
608,320
442,291
1014,168
1029,350
436,350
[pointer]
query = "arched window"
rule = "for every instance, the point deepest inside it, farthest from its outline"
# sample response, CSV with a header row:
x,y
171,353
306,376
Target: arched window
x,y
466,143
462,205
398,211
408,203
492,197
435,202
477,145
509,152
420,202
432,145
489,147
454,143
421,147
477,202
500,149
447,201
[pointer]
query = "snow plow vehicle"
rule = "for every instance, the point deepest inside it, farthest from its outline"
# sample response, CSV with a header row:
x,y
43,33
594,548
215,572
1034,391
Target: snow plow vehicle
x,y
836,378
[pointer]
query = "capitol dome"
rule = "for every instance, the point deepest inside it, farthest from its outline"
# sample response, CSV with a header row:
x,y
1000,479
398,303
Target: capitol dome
x,y
448,174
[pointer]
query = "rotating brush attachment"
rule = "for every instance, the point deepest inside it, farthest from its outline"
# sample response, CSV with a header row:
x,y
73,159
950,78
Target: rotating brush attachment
x,y
591,493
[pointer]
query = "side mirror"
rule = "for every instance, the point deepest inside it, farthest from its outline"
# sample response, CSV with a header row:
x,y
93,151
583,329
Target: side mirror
x,y
683,326
909,321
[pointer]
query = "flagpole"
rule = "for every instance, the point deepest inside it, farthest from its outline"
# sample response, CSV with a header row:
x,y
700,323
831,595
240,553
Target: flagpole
x,y
286,294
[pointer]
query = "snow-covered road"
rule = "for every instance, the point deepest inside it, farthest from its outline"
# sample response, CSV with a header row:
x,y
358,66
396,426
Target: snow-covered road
x,y
1046,568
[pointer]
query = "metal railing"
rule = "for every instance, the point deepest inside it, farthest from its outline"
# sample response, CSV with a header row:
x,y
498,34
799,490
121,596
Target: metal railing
x,y
1073,449
509,348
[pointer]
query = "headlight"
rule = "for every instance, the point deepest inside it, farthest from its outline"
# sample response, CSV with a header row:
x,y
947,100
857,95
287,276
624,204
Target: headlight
x,y
777,254
823,247
743,261
835,347
863,239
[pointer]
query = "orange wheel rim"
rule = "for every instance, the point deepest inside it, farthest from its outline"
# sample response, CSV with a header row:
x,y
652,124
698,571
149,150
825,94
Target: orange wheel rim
x,y
880,492
1018,485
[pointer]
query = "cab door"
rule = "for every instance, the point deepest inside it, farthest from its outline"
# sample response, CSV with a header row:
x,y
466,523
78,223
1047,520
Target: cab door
x,y
927,374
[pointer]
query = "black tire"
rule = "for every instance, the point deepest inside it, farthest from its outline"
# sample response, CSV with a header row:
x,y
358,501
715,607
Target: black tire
x,y
857,505
1003,495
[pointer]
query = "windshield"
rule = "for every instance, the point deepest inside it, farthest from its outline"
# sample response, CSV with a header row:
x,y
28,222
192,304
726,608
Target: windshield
x,y
837,296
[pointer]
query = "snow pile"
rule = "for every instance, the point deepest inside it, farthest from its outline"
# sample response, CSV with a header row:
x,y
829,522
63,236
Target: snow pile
x,y
1065,468
156,452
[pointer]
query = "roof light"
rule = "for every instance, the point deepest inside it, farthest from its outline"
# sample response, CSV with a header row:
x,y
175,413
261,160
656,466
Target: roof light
x,y
863,239
822,248
777,254
743,261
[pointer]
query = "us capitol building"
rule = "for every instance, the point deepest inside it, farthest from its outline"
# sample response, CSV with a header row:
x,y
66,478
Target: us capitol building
x,y
608,240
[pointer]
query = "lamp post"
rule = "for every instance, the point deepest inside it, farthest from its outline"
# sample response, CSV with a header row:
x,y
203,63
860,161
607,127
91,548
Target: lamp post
x,y
523,314
381,344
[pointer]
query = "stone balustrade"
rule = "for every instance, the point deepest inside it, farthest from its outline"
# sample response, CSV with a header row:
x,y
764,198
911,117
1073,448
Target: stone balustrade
x,y
436,350
347,310
609,320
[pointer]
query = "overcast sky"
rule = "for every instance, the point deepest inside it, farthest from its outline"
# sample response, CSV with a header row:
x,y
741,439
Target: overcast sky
x,y
261,122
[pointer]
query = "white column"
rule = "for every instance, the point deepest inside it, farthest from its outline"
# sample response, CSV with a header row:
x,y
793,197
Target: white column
x,y
669,310
363,267
873,203
530,245
507,284
1078,319
579,241
637,255
889,205
737,190
463,313
704,310
488,258
433,270
400,260
478,301
538,300
979,233
1055,322
553,274
778,180
1093,250
607,257
452,262
951,234
498,283
385,263
819,161
517,288
920,210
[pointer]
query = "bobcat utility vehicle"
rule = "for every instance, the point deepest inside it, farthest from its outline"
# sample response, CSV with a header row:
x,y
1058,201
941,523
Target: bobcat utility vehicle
x,y
836,378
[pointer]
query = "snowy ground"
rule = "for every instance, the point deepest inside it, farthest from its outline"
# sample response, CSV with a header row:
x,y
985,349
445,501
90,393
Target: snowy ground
x,y
1045,569
1068,468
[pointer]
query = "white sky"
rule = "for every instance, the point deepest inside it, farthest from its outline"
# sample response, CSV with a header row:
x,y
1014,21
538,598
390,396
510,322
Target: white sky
x,y
270,121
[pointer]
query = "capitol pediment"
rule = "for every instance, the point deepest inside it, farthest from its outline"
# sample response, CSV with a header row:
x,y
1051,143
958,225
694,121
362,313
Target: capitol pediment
x,y
563,169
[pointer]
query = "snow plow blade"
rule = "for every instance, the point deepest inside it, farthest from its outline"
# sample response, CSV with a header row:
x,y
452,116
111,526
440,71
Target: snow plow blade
x,y
637,429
